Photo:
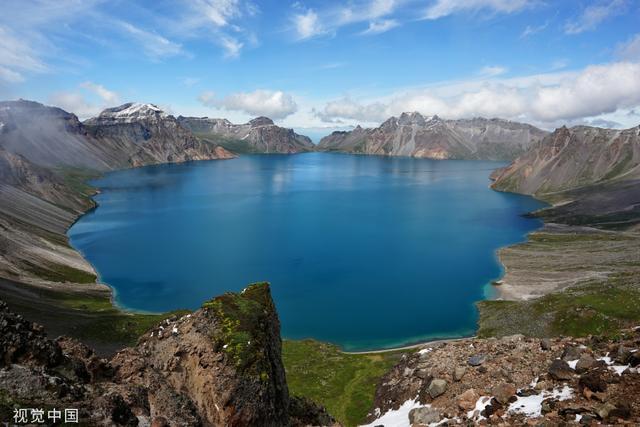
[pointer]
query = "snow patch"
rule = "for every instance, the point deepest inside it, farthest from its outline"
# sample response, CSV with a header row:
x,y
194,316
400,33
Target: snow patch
x,y
531,406
396,417
618,369
572,363
481,404
425,350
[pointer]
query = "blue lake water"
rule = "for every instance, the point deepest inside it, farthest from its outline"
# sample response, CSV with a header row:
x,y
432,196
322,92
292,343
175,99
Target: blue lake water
x,y
363,251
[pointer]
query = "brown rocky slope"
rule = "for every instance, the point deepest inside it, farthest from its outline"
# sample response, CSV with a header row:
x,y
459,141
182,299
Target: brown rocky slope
x,y
514,381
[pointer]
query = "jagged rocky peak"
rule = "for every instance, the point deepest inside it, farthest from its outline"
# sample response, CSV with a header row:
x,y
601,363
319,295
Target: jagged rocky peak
x,y
413,118
261,121
129,113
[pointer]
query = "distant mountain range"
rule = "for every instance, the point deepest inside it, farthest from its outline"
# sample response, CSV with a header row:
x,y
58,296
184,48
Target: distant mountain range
x,y
259,135
415,135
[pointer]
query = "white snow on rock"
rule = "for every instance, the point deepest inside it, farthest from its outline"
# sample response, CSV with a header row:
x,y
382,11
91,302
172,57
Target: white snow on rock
x,y
618,369
398,417
531,406
572,363
481,404
425,350
131,112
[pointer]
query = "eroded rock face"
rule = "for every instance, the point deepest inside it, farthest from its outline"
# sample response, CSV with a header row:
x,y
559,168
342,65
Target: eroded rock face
x,y
220,365
412,134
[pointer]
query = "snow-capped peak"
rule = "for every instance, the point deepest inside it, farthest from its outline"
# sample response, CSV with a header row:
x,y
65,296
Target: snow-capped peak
x,y
131,112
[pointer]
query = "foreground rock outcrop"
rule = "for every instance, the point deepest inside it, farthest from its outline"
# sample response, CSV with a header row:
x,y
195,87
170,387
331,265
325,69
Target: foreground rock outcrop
x,y
514,381
415,135
259,135
220,365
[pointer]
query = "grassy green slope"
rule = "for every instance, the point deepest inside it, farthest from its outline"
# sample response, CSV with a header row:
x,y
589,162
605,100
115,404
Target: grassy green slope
x,y
344,383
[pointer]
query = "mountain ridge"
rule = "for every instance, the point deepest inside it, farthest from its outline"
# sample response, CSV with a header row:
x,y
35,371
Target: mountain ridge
x,y
415,135
259,135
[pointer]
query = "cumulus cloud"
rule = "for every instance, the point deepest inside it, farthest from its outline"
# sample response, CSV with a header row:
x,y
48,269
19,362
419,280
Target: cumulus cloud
x,y
274,104
109,97
546,98
88,101
74,102
594,15
442,8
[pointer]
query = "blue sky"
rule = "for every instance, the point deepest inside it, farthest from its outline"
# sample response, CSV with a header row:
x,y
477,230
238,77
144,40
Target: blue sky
x,y
313,65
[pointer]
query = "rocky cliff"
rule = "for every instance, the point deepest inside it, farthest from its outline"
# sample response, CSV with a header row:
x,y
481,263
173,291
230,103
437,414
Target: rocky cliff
x,y
259,135
220,365
413,134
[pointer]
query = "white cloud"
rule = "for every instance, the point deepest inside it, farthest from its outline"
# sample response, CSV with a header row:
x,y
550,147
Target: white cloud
x,y
17,57
442,8
493,71
310,23
109,97
594,15
530,30
274,104
307,24
154,45
189,81
77,102
377,27
231,46
217,12
207,98
74,102
346,108
541,99
630,50
10,76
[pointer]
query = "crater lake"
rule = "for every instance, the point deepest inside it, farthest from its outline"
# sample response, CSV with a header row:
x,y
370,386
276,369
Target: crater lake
x,y
365,252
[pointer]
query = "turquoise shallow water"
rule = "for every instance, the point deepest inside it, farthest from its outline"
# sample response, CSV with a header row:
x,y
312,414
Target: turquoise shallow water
x,y
366,252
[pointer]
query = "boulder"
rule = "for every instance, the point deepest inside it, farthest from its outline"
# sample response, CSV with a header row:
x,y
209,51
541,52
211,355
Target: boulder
x,y
437,387
503,392
545,344
477,360
467,400
424,416
593,381
571,352
560,370
459,372
585,363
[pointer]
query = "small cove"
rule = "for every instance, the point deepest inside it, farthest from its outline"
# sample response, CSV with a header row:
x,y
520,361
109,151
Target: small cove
x,y
366,252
